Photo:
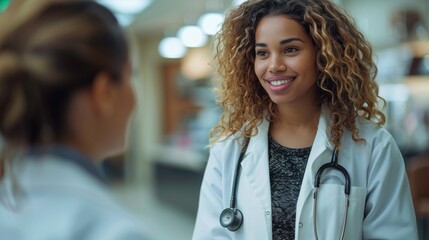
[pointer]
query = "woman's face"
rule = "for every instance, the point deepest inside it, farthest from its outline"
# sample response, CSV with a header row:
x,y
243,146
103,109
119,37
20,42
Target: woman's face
x,y
98,116
285,61
124,106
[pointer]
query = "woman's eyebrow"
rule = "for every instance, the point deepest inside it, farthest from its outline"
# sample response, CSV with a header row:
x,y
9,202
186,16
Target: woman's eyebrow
x,y
290,40
282,42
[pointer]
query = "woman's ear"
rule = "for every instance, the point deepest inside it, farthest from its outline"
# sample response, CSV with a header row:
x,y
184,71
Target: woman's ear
x,y
102,94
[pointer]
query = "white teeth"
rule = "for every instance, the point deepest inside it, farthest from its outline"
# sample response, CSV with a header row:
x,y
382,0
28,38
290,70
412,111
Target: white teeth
x,y
280,82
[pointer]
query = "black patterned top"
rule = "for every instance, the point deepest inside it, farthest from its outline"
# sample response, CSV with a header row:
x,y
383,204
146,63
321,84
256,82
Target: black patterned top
x,y
287,167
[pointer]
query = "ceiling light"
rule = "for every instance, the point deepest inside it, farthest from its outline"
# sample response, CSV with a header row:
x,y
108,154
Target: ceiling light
x,y
124,19
211,22
237,2
126,6
171,47
192,36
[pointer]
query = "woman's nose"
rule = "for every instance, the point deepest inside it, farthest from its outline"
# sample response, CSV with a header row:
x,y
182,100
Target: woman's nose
x,y
277,64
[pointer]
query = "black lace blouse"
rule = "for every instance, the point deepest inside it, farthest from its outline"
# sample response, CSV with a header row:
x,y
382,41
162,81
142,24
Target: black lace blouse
x,y
287,167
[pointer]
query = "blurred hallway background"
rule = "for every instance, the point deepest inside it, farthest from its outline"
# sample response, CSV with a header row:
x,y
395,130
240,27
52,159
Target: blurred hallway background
x,y
159,176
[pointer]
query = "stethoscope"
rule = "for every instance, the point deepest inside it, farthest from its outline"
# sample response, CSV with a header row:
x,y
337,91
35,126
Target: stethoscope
x,y
336,166
232,218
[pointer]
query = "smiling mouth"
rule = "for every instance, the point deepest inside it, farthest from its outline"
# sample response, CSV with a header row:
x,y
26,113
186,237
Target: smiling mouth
x,y
281,82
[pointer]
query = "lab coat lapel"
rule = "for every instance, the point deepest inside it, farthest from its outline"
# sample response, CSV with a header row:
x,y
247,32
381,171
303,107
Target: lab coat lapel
x,y
256,170
320,154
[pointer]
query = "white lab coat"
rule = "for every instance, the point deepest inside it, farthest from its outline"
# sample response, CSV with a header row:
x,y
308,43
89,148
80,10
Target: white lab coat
x,y
380,200
61,201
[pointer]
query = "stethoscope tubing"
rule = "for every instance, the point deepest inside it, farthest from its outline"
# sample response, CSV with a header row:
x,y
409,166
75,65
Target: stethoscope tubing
x,y
332,164
237,173
335,165
346,208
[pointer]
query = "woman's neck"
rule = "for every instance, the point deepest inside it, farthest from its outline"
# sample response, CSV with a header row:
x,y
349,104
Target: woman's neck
x,y
297,116
81,146
295,126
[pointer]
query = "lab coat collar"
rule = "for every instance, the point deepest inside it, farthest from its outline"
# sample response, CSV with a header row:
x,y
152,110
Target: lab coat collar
x,y
256,171
322,140
320,153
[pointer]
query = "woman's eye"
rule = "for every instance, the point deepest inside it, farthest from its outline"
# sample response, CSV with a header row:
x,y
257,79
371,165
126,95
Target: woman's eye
x,y
290,50
261,53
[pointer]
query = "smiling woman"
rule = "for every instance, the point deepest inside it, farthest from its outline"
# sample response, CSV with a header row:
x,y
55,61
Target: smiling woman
x,y
300,152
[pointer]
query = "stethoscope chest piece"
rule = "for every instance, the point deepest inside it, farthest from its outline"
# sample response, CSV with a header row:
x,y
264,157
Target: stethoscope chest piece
x,y
231,218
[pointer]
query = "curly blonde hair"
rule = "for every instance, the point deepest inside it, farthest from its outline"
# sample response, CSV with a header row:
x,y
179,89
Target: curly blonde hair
x,y
344,63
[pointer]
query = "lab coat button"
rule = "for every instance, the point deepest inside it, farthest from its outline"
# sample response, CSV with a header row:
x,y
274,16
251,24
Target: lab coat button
x,y
267,213
301,224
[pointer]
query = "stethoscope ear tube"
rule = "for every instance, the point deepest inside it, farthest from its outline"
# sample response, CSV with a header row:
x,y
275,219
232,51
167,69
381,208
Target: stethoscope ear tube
x,y
333,164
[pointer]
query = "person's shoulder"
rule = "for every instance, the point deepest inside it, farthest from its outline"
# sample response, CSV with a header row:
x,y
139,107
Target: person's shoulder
x,y
377,137
226,142
101,216
81,213
369,129
87,200
237,139
68,196
224,150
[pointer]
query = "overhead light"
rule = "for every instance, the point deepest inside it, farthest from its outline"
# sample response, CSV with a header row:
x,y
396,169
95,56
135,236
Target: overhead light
x,y
171,47
126,6
211,22
192,36
237,2
124,19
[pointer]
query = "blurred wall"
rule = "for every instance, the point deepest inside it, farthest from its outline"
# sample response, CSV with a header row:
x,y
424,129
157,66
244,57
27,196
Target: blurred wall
x,y
145,131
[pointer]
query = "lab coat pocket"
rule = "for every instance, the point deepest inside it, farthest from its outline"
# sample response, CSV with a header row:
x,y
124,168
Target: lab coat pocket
x,y
331,209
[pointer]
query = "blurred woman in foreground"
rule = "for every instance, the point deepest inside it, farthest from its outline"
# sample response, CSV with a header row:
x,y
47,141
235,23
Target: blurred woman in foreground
x,y
65,102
